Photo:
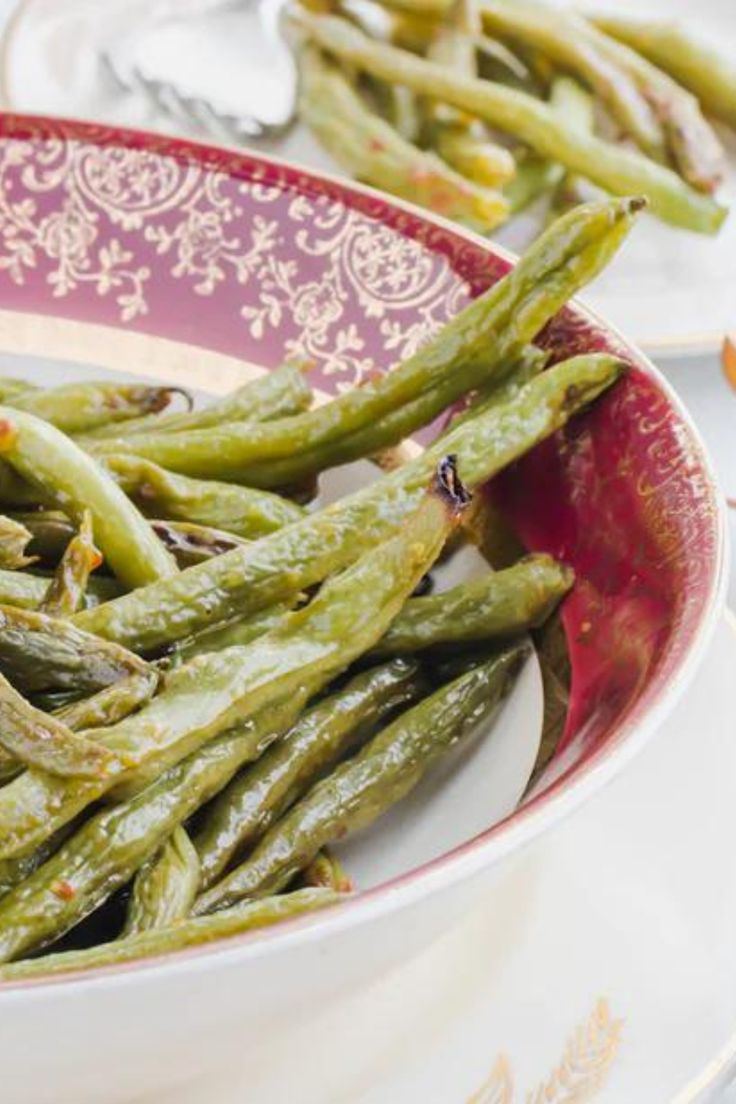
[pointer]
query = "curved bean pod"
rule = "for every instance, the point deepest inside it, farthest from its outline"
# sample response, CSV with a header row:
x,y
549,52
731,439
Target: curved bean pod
x,y
47,458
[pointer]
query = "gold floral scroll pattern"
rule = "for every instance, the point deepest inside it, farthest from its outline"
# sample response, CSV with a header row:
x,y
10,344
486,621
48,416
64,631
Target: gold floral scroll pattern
x,y
333,283
67,234
581,1074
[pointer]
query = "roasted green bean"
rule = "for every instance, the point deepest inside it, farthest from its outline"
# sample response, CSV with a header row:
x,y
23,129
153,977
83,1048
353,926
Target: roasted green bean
x,y
327,871
36,912
244,511
212,692
255,799
165,886
479,346
14,541
79,407
68,587
10,387
36,739
373,151
697,65
39,653
26,591
47,458
358,791
693,144
487,608
112,703
562,37
187,933
271,570
615,169
191,544
233,632
272,395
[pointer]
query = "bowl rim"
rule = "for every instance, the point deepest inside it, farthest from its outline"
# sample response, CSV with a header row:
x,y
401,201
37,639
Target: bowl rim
x,y
529,820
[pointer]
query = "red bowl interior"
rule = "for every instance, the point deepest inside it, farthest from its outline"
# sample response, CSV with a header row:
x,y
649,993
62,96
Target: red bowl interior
x,y
260,260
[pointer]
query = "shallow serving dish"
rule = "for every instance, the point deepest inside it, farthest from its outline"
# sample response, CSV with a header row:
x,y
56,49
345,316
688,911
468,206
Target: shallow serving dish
x,y
151,256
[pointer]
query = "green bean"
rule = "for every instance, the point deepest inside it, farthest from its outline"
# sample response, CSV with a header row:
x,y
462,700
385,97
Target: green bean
x,y
25,591
244,511
327,871
110,847
79,407
458,138
11,387
50,532
255,799
191,544
478,347
40,653
212,692
425,9
697,65
67,589
233,632
165,886
692,142
14,540
272,395
37,740
373,151
561,37
275,568
398,106
613,168
44,456
112,703
386,769
570,188
187,933
490,607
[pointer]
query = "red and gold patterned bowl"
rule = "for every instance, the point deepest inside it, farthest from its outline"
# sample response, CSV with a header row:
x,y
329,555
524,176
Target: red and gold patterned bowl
x,y
128,250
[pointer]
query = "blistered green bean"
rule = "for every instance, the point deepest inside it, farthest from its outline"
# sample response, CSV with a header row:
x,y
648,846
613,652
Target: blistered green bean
x,y
479,346
79,407
47,458
68,587
187,933
708,72
386,769
272,395
244,511
214,691
36,739
614,168
255,799
165,886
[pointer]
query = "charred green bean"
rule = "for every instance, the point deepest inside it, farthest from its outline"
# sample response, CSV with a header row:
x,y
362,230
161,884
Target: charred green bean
x,y
187,933
47,458
358,791
68,587
165,886
36,739
615,169
79,407
255,800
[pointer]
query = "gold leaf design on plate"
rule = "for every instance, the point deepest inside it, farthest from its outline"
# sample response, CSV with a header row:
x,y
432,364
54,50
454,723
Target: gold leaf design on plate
x,y
499,1088
580,1075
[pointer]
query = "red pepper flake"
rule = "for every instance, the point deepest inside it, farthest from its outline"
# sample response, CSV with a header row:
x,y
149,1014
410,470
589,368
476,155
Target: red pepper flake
x,y
376,145
64,890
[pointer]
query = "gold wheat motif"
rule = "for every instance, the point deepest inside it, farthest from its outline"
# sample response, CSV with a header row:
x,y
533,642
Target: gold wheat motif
x,y
580,1075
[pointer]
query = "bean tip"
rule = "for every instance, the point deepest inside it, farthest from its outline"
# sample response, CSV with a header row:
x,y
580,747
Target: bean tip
x,y
449,486
8,434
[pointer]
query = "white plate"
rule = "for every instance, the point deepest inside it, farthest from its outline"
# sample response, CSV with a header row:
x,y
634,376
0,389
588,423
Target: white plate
x,y
607,974
670,291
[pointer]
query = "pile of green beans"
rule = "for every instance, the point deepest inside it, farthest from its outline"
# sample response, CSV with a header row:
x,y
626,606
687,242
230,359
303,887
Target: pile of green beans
x,y
491,138
204,686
